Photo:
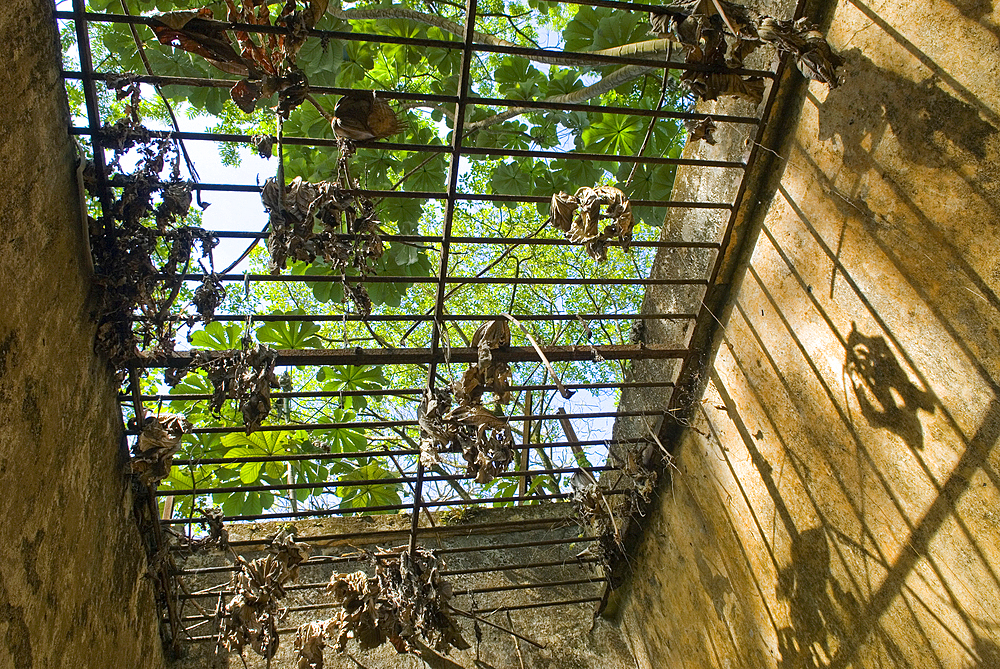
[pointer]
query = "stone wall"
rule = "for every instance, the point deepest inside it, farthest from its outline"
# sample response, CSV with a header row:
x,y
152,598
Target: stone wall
x,y
836,503
570,635
72,592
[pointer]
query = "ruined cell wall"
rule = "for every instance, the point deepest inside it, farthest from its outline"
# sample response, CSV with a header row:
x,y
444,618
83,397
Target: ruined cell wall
x,y
72,591
834,502
504,574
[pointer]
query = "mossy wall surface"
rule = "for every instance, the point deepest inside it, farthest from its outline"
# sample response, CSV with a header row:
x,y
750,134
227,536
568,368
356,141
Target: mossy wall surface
x,y
72,586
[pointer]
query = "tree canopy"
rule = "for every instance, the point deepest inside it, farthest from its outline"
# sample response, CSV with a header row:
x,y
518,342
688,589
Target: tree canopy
x,y
352,437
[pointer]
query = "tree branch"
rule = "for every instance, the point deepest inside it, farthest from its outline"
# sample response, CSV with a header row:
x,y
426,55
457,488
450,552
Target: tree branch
x,y
610,82
648,47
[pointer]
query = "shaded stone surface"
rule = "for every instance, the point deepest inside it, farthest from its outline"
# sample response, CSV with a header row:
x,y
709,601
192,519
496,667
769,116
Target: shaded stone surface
x,y
573,638
72,592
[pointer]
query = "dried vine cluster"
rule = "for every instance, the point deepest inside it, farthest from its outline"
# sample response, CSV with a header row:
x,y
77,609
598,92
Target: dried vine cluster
x,y
483,438
721,35
405,603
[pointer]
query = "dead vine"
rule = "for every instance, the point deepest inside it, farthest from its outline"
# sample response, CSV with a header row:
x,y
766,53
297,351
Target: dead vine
x,y
140,259
310,222
251,616
404,600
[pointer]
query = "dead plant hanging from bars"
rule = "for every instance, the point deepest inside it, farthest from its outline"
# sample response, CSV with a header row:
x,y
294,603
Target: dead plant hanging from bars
x,y
320,221
251,616
404,600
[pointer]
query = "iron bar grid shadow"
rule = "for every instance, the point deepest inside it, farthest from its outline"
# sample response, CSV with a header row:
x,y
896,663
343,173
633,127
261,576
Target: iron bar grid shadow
x,y
432,347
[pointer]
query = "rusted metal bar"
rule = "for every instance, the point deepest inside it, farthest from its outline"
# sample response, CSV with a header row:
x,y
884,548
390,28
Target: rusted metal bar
x,y
423,356
538,605
447,279
320,457
575,562
527,52
357,483
522,485
320,513
372,425
457,593
438,99
412,391
437,148
426,318
440,531
506,241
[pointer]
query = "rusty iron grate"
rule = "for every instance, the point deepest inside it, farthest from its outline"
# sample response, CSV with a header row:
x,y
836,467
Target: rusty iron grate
x,y
438,357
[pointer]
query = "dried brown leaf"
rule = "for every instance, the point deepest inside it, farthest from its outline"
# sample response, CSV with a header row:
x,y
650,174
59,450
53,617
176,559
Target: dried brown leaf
x,y
807,45
362,115
701,130
159,440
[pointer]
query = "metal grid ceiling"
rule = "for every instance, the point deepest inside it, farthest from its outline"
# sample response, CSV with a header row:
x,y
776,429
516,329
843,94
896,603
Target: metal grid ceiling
x,y
424,490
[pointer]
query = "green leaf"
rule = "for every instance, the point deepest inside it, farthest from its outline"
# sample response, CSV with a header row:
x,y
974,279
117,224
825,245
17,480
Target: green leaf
x,y
614,134
289,334
358,497
218,337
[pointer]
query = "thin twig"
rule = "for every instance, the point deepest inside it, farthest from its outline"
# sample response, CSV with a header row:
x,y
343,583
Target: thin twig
x,y
322,112
517,646
166,103
538,349
469,614
510,249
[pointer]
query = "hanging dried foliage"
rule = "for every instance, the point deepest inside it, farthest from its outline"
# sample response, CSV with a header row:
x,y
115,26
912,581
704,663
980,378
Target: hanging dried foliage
x,y
701,130
208,296
404,600
320,221
246,376
579,217
607,519
158,441
362,115
267,65
487,374
807,45
251,615
721,35
484,439
211,521
139,259
310,640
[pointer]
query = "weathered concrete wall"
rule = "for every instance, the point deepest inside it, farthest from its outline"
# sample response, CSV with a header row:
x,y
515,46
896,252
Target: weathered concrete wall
x,y
571,635
841,506
72,592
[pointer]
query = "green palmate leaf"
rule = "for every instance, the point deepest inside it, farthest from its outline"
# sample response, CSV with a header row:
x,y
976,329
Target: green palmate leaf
x,y
217,337
289,334
562,81
243,503
517,79
650,182
352,377
357,497
424,176
511,179
258,444
614,134
403,212
391,294
595,28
